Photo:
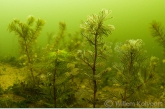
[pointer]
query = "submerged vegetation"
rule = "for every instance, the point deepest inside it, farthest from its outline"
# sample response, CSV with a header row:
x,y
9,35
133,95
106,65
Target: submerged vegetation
x,y
130,76
27,37
158,33
94,30
82,69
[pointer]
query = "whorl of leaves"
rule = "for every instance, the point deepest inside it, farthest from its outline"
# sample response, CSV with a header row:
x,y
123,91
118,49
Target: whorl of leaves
x,y
158,32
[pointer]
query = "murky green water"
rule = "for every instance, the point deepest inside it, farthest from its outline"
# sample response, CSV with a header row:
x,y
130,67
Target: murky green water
x,y
131,18
51,69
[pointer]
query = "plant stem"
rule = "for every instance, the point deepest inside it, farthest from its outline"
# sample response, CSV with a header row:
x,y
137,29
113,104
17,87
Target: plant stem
x,y
54,84
29,61
94,72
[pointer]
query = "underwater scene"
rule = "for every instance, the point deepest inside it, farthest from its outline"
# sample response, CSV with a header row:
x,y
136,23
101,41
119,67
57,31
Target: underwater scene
x,y
82,54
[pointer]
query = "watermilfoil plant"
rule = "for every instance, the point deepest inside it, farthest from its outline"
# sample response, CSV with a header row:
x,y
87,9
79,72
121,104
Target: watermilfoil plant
x,y
28,33
130,76
158,33
94,30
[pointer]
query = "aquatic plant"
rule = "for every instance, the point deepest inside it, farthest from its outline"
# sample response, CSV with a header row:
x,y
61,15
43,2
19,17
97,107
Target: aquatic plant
x,y
28,34
49,37
60,37
130,77
157,32
56,65
94,30
10,60
56,39
74,43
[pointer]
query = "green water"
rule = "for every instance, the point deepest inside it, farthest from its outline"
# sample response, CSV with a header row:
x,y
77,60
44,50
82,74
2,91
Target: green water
x,y
42,79
131,18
